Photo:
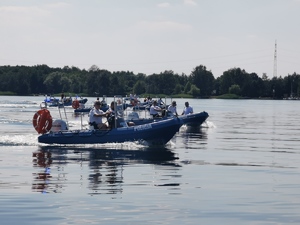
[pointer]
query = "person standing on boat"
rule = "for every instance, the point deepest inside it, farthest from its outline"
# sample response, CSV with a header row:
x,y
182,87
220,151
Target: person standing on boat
x,y
187,109
155,109
160,102
172,108
95,116
111,114
116,108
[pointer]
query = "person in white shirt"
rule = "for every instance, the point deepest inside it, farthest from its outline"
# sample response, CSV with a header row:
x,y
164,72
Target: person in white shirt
x,y
172,108
95,116
187,109
154,109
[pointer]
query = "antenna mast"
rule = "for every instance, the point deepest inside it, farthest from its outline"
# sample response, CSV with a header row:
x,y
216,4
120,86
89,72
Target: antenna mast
x,y
275,61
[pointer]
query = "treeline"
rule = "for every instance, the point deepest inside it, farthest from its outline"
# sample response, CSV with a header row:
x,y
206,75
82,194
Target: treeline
x,y
41,79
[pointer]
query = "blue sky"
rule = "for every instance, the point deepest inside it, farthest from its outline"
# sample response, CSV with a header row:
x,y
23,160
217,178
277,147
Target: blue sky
x,y
151,36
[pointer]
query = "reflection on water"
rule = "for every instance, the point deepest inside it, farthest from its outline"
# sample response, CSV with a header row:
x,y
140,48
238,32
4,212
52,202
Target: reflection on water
x,y
241,167
43,180
193,136
102,168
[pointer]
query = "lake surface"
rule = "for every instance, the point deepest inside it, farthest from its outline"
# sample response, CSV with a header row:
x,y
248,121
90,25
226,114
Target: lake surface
x,y
241,167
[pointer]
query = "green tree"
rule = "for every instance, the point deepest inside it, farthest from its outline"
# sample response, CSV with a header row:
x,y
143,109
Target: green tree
x,y
194,91
65,84
234,89
53,82
187,87
178,89
167,82
151,84
203,79
139,87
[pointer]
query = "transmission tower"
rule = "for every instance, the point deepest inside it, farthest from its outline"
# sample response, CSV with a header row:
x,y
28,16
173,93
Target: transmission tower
x,y
275,61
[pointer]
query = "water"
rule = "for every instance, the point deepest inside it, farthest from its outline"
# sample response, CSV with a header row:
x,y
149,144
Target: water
x,y
241,167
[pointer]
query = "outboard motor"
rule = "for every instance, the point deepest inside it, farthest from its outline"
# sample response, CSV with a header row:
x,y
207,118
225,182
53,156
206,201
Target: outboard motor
x,y
59,125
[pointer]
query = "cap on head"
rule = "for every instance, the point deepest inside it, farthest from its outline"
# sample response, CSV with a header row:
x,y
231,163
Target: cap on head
x,y
174,103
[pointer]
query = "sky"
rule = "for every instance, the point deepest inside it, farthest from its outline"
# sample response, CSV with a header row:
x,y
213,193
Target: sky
x,y
152,36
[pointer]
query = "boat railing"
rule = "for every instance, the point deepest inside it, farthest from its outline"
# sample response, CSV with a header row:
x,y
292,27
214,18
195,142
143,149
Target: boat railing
x,y
61,106
119,109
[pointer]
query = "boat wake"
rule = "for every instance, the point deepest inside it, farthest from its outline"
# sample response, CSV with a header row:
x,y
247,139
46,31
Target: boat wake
x,y
208,124
19,140
31,140
123,146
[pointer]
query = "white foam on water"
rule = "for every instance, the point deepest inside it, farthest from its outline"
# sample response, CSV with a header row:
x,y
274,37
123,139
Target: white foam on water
x,y
123,146
208,124
170,144
32,140
19,140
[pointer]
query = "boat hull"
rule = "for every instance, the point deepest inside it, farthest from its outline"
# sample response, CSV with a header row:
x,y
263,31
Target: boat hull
x,y
191,120
156,133
87,110
67,102
195,119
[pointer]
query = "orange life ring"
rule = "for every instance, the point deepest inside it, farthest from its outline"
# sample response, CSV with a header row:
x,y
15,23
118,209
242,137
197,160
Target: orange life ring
x,y
75,104
42,121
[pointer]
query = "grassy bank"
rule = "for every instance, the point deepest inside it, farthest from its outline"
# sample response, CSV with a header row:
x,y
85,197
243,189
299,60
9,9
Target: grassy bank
x,y
7,93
